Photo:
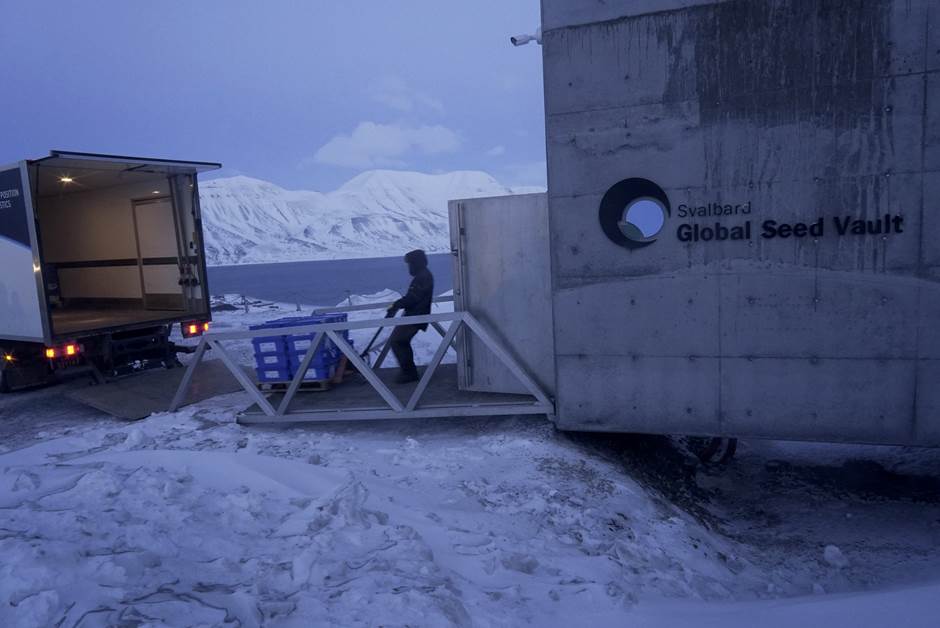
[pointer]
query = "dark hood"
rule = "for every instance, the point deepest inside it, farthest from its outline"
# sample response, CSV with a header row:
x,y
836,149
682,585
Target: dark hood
x,y
417,261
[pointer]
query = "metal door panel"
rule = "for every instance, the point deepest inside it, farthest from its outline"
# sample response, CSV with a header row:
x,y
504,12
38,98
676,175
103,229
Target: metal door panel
x,y
21,311
159,252
502,276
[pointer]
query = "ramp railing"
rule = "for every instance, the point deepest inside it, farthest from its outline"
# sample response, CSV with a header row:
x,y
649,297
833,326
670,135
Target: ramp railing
x,y
395,408
372,306
384,347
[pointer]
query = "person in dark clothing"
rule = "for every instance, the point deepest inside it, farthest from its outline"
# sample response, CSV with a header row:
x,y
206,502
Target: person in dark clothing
x,y
416,302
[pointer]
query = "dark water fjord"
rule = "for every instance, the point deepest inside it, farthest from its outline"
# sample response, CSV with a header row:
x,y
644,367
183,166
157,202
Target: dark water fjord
x,y
325,282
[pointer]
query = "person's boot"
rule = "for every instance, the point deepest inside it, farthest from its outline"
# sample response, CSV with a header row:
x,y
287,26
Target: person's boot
x,y
406,377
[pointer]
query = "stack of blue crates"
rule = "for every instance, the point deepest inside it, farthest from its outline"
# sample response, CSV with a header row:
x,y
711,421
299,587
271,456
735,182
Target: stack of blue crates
x,y
278,357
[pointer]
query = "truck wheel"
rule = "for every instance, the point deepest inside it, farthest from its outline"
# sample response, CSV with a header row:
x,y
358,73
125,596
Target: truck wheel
x,y
714,450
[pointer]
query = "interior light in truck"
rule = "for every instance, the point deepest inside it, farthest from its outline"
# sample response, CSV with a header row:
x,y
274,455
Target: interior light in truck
x,y
66,179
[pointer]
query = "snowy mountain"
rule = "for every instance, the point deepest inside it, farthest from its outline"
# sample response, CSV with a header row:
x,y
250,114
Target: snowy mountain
x,y
378,213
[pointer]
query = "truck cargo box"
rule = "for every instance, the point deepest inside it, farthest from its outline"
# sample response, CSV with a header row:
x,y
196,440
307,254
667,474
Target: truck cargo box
x,y
94,243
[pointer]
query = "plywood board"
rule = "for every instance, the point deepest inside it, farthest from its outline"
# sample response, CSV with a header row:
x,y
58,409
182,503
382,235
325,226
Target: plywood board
x,y
138,396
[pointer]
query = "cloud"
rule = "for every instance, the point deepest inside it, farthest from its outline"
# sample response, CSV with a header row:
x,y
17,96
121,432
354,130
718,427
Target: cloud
x,y
496,151
393,92
373,145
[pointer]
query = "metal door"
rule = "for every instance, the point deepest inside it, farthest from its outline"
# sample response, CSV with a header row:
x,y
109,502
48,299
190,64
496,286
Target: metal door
x,y
502,277
158,251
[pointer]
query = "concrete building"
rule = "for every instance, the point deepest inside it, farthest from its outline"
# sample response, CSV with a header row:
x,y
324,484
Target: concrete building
x,y
743,217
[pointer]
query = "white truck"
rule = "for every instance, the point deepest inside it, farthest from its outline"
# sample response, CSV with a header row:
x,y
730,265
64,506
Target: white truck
x,y
100,255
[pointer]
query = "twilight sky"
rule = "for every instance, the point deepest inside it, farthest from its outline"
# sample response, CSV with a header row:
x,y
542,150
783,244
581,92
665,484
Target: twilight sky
x,y
304,93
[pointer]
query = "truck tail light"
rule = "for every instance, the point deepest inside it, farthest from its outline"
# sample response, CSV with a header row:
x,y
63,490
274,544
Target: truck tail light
x,y
194,328
69,350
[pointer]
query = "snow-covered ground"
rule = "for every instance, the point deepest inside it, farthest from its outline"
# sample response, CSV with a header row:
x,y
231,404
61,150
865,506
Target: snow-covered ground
x,y
190,519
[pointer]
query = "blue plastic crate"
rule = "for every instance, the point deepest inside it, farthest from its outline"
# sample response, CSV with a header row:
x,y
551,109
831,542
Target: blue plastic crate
x,y
301,342
297,321
280,375
274,374
267,345
324,359
277,357
272,360
319,372
269,348
320,359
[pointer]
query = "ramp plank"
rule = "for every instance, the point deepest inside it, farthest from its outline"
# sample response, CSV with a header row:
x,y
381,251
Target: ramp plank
x,y
138,396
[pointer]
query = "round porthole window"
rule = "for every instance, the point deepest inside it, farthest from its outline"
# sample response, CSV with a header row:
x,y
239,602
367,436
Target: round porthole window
x,y
643,219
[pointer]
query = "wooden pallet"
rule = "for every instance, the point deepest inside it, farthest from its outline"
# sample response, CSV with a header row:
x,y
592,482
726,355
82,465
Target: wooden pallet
x,y
308,385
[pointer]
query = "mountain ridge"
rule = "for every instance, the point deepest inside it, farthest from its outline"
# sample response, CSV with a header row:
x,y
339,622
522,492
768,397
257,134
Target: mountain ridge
x,y
376,213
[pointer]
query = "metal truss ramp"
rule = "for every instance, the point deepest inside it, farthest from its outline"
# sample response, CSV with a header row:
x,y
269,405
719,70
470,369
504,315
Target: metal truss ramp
x,y
436,395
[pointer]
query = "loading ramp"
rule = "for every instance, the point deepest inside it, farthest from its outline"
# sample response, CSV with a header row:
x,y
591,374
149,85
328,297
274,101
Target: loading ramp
x,y
436,394
357,400
139,395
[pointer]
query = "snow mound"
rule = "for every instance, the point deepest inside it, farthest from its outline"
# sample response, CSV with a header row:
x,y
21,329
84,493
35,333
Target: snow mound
x,y
834,557
468,526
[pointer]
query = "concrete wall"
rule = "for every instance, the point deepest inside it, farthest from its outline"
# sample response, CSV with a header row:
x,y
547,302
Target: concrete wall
x,y
799,110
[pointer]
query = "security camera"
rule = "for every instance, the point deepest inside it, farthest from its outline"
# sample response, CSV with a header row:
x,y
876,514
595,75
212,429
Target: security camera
x,y
522,40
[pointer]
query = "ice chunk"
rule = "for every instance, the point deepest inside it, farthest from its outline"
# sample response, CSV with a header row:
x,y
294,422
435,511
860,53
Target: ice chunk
x,y
834,556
